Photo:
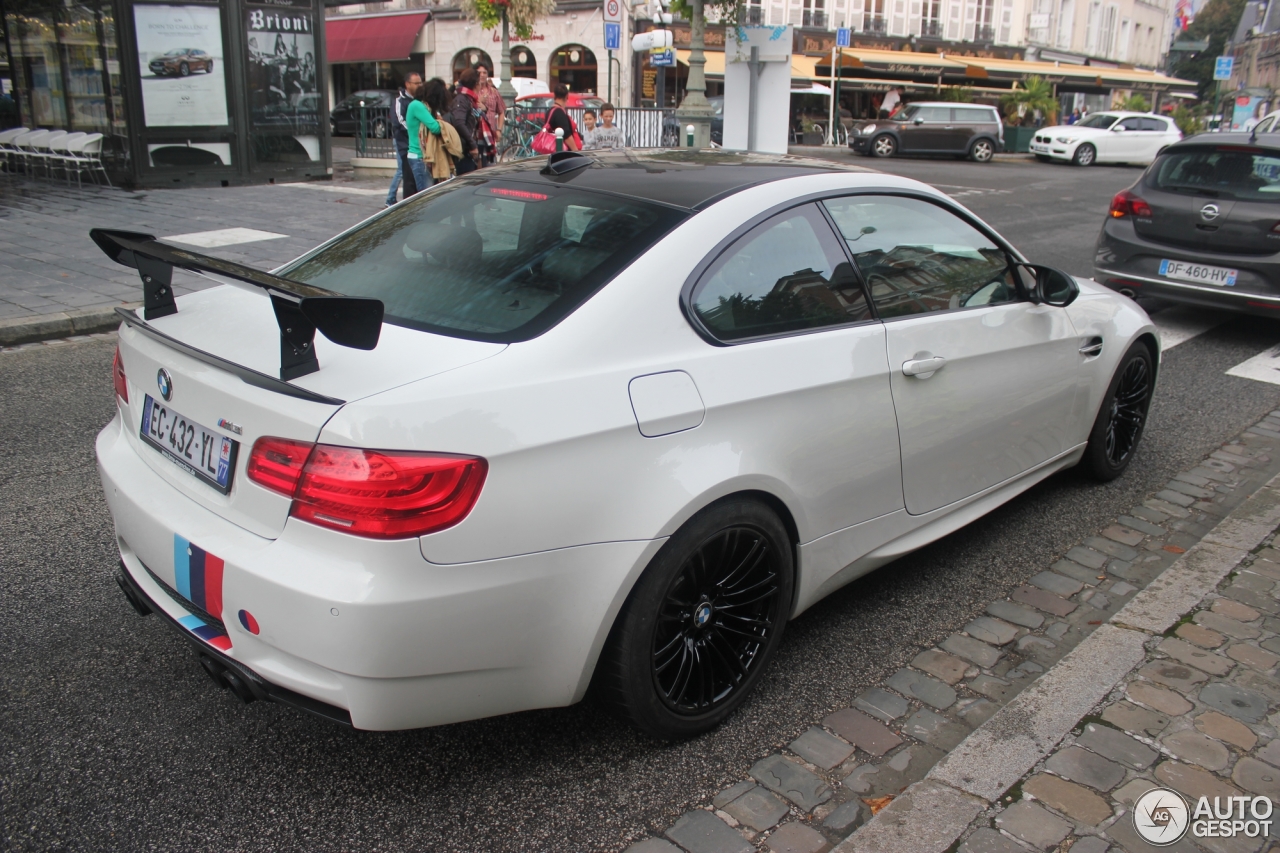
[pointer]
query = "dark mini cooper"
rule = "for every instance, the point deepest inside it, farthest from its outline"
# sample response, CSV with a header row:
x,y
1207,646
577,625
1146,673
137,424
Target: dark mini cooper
x,y
181,61
942,127
1201,226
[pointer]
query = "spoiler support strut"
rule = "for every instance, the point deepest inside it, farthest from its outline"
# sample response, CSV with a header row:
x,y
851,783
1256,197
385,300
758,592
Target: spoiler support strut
x,y
300,309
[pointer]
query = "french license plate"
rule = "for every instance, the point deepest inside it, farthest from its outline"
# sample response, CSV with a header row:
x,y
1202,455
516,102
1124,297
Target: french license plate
x,y
1199,273
200,450
1039,148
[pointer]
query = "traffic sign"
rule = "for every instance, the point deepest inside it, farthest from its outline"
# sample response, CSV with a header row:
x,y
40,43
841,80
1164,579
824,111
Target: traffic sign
x,y
613,14
1222,67
842,37
612,35
662,58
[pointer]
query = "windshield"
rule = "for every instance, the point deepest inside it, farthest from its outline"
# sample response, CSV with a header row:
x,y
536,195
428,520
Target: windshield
x,y
906,113
177,52
1244,174
488,259
1102,121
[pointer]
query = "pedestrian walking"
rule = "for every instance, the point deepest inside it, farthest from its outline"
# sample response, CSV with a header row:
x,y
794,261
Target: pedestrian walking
x,y
400,135
418,118
558,119
464,115
607,134
495,110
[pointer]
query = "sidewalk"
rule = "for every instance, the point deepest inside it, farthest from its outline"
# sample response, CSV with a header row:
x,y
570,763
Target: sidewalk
x,y
55,282
1037,724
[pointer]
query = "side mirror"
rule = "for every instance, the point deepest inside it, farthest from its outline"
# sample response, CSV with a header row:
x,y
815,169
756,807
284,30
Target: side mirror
x,y
918,121
1052,286
1119,128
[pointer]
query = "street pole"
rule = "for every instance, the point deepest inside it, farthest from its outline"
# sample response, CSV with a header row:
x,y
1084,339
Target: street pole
x,y
831,107
753,70
505,89
836,95
694,109
608,91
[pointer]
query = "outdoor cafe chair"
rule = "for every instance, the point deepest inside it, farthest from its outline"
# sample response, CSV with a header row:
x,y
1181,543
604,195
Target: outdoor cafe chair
x,y
8,151
85,155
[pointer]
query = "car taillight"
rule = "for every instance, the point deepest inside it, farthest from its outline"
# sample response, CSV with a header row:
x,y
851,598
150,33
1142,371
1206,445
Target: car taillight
x,y
118,378
1126,203
1275,229
375,493
276,463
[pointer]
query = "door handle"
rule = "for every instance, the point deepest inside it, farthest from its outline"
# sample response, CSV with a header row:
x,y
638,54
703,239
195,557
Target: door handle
x,y
923,367
1091,347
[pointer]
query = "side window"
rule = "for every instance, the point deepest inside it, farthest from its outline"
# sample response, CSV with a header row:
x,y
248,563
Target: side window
x,y
936,115
917,257
975,115
1156,124
785,275
1132,124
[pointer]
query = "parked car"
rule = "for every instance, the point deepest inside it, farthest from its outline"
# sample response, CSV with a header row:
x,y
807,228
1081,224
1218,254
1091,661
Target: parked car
x,y
1200,226
1110,137
611,419
927,127
344,118
1269,123
536,107
180,62
673,135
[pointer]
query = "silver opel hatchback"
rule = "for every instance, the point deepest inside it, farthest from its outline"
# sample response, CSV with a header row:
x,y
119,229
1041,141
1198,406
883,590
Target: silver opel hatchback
x,y
1201,226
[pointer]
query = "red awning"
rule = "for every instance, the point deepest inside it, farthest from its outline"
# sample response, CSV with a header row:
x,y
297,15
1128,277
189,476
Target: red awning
x,y
373,39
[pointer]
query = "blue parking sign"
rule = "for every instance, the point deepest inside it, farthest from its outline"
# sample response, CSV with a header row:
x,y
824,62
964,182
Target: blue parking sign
x,y
1222,67
842,37
612,36
662,58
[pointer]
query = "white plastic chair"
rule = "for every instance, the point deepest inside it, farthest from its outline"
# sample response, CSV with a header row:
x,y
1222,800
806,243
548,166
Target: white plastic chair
x,y
7,149
86,156
42,151
26,147
59,152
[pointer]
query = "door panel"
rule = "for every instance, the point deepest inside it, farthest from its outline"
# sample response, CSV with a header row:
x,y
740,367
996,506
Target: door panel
x,y
933,133
1001,405
983,381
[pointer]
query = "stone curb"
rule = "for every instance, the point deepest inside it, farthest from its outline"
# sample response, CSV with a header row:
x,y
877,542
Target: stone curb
x,y
926,817
64,324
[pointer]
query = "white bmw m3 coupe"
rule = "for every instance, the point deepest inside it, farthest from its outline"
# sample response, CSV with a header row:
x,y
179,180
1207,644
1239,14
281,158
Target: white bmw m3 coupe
x,y
593,421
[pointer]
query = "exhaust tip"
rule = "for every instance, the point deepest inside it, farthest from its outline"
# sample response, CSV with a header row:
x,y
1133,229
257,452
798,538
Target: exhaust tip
x,y
228,680
1129,292
139,605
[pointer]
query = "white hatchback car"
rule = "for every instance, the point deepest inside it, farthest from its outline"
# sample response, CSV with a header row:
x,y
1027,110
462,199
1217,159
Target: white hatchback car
x,y
609,419
1110,137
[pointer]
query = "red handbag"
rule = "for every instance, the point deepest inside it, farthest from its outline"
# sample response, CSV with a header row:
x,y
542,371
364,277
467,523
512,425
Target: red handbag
x,y
544,141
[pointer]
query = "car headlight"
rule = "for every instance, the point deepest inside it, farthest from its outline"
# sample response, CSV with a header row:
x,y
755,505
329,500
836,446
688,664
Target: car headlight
x,y
1065,140
868,129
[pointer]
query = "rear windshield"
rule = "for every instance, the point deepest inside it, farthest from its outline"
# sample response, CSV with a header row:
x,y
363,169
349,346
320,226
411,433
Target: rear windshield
x,y
488,259
1244,174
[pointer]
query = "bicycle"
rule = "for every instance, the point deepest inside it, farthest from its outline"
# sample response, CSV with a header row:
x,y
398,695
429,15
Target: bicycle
x,y
517,139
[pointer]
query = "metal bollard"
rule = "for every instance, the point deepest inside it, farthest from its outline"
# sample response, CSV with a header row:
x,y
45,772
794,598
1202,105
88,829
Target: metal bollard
x,y
688,132
559,139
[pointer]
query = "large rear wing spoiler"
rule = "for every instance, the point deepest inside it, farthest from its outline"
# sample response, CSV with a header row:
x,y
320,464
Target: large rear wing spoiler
x,y
300,309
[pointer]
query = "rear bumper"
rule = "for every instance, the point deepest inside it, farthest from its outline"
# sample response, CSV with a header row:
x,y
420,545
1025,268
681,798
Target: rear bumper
x,y
1126,261
363,628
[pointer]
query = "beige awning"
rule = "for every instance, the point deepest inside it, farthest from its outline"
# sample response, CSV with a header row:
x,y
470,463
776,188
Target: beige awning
x,y
802,67
714,61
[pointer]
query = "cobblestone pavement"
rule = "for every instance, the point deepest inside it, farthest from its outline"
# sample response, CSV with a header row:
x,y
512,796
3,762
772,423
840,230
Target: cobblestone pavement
x,y
1193,716
48,264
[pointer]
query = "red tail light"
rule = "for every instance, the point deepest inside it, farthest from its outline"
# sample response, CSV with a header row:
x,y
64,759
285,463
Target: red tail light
x,y
375,493
1275,229
118,378
1126,203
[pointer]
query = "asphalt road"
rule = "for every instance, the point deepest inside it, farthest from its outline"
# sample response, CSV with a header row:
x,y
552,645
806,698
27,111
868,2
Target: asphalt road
x,y
113,738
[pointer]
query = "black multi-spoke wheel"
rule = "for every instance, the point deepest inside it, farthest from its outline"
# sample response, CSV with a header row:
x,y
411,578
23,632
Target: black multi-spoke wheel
x,y
702,621
721,610
1123,415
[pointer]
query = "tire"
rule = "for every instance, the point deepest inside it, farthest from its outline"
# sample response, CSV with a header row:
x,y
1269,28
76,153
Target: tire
x,y
184,70
1085,155
981,151
1044,158
883,145
676,632
208,67
1122,416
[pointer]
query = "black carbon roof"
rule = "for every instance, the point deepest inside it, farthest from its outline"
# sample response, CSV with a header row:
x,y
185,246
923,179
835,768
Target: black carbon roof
x,y
680,177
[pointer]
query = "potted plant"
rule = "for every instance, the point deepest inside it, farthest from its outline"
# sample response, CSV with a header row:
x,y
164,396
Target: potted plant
x,y
1020,106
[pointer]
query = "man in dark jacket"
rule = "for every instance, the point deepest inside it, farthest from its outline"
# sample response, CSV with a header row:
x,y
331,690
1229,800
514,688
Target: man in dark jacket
x,y
464,115
400,133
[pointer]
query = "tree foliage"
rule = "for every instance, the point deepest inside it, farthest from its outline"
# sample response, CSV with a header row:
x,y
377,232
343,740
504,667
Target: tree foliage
x,y
1034,95
957,94
1216,22
521,14
1136,103
1187,121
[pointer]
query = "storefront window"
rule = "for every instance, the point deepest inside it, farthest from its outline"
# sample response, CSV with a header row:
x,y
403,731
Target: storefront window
x,y
66,67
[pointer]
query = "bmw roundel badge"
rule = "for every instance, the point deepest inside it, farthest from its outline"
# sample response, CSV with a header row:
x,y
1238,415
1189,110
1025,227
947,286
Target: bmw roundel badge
x,y
165,383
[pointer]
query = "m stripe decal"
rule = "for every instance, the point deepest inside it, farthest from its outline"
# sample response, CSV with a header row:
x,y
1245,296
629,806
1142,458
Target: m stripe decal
x,y
208,633
198,576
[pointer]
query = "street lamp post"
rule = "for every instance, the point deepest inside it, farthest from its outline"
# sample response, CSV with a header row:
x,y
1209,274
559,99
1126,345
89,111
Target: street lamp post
x,y
505,89
694,109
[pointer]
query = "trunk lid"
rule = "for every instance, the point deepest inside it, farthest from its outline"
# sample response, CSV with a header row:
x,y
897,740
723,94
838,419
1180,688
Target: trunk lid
x,y
239,326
